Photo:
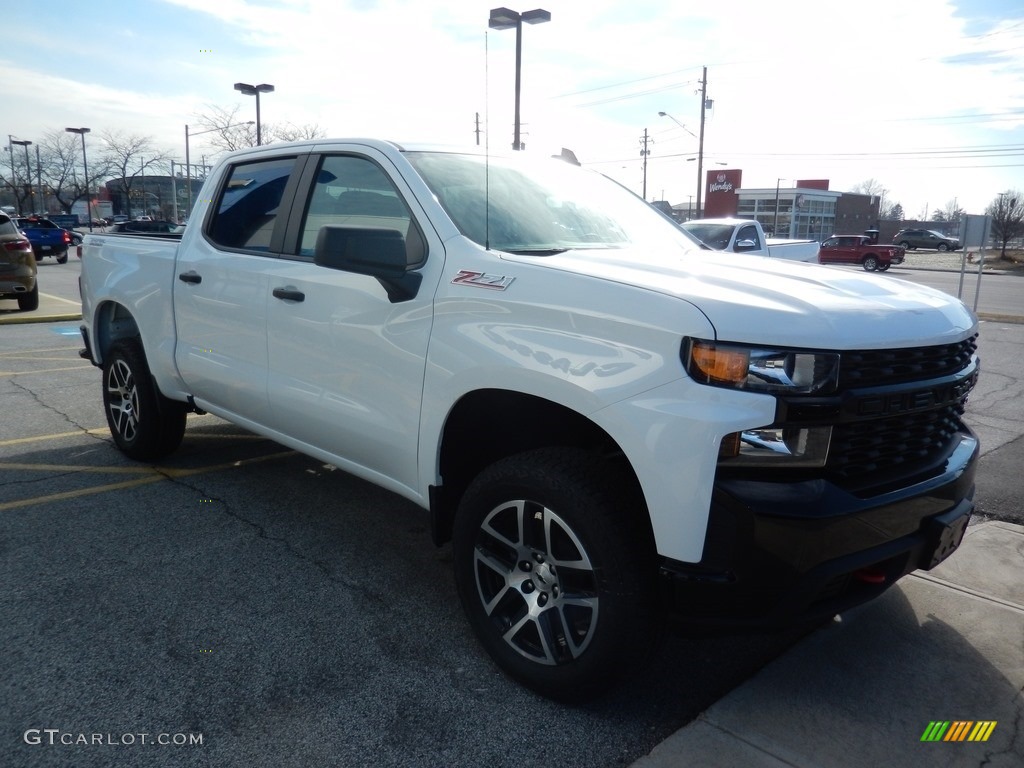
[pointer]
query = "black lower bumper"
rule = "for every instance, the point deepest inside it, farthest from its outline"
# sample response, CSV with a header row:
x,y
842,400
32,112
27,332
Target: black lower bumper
x,y
781,553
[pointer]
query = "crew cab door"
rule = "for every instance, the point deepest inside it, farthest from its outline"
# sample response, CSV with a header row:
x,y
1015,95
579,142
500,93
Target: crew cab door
x,y
346,354
221,286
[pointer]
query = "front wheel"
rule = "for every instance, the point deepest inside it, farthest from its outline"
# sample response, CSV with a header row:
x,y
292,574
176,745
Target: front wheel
x,y
555,569
906,245
870,263
942,247
145,425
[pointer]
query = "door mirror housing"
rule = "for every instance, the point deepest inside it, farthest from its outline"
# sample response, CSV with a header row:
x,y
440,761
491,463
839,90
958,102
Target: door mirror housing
x,y
377,252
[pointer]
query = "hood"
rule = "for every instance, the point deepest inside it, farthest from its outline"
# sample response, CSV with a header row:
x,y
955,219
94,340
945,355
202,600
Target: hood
x,y
764,301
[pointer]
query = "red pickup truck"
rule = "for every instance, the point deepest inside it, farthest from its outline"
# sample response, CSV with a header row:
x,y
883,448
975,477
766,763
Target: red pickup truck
x,y
860,249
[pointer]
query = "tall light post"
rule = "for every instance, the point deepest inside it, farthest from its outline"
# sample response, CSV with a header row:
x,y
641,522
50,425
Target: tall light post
x,y
255,90
85,167
504,18
28,167
188,165
775,226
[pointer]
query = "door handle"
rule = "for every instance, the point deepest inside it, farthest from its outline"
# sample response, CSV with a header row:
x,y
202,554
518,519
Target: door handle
x,y
289,294
190,277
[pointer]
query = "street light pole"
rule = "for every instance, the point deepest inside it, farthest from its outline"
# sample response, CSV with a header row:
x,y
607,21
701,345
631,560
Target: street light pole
x,y
505,18
85,166
28,167
255,90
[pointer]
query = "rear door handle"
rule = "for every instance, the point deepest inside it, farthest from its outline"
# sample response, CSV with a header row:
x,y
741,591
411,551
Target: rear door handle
x,y
289,294
190,277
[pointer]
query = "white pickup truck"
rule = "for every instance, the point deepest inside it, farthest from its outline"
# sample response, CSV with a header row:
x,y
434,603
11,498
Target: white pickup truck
x,y
747,236
604,419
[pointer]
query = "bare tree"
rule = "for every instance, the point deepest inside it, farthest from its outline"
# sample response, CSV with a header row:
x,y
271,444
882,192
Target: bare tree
x,y
1007,212
128,158
62,168
228,132
225,130
950,212
292,132
870,187
17,179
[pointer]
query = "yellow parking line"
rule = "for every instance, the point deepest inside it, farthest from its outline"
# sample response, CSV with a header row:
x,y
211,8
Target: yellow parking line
x,y
57,436
45,370
157,475
12,465
48,349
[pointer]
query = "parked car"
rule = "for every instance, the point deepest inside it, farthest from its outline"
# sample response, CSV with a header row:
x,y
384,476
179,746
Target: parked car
x,y
46,237
17,266
860,249
925,238
142,226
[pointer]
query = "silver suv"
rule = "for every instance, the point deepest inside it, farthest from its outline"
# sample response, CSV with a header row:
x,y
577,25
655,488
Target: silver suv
x,y
925,238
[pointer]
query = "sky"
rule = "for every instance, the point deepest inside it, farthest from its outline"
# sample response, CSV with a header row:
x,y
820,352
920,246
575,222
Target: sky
x,y
924,97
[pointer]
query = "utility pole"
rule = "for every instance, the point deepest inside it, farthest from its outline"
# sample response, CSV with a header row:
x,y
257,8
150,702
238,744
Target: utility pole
x,y
478,129
644,152
700,147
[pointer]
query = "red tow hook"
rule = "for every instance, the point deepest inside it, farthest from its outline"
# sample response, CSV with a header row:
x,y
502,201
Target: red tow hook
x,y
870,575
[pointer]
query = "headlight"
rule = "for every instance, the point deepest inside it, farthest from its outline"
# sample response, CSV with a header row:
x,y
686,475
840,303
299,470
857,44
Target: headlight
x,y
761,369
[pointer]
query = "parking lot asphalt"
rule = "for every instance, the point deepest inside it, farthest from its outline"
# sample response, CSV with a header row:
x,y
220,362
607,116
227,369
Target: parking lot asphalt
x,y
931,674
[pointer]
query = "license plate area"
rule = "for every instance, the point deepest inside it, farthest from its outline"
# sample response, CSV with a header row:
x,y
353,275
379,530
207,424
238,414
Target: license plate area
x,y
945,533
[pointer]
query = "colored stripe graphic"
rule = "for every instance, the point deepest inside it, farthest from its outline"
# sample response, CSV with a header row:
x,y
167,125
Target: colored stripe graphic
x,y
982,730
958,730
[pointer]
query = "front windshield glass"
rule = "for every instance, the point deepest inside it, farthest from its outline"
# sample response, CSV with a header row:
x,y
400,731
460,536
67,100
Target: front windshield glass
x,y
542,207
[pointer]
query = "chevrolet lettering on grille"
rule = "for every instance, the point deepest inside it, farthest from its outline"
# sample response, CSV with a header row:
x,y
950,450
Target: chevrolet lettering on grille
x,y
918,400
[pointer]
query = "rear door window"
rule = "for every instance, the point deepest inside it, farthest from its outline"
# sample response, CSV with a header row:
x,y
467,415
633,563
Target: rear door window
x,y
247,210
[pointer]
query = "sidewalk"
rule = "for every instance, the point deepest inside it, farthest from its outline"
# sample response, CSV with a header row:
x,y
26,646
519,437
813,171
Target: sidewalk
x,y
51,309
942,645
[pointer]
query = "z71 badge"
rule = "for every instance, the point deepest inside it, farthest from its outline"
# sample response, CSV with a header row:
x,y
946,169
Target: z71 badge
x,y
482,280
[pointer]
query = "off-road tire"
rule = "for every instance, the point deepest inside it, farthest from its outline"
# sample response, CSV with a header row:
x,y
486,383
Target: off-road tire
x,y
555,567
145,425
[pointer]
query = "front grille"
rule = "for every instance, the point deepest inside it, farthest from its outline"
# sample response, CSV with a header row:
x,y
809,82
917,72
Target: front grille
x,y
896,444
880,367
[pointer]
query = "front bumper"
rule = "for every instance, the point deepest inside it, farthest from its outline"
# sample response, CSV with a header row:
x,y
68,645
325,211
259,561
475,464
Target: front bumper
x,y
782,553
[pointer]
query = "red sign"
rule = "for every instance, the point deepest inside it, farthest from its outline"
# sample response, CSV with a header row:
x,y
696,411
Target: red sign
x,y
720,198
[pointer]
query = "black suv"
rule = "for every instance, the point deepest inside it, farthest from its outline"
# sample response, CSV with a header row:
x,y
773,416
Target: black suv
x,y
925,238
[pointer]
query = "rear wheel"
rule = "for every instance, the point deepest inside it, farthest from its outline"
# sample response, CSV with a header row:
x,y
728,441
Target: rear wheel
x,y
29,301
884,267
63,258
555,571
145,425
870,263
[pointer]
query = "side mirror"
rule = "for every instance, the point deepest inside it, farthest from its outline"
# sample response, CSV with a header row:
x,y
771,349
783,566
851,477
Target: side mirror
x,y
379,253
744,245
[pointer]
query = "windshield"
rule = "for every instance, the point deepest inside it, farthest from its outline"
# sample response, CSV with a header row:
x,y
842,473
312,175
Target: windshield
x,y
715,235
542,207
